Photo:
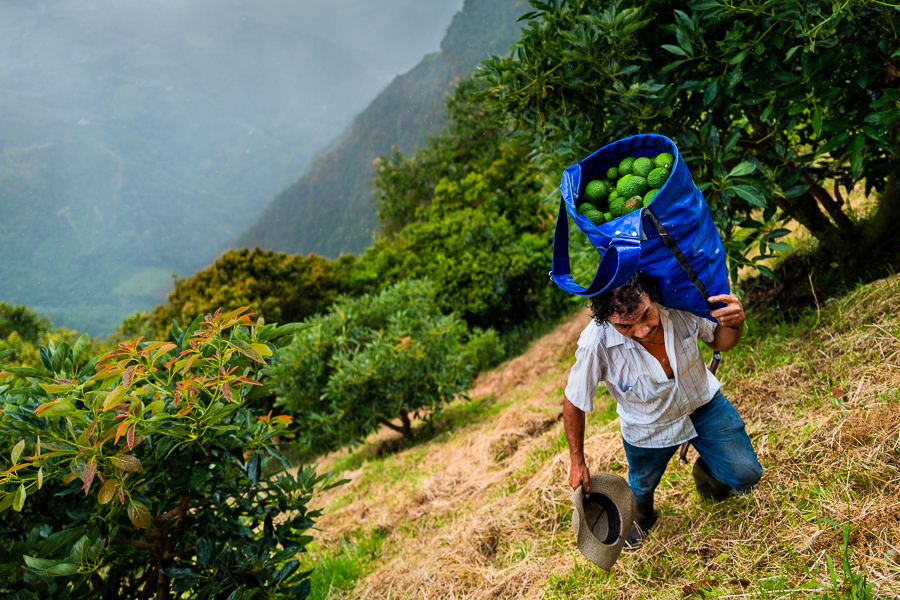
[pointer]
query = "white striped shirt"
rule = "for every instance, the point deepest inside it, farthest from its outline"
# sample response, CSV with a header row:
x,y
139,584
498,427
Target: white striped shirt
x,y
654,410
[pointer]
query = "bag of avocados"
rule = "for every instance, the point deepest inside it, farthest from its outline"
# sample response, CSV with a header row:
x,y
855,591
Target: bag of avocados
x,y
672,239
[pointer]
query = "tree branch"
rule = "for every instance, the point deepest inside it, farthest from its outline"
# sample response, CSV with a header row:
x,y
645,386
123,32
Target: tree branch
x,y
148,584
389,425
831,207
135,543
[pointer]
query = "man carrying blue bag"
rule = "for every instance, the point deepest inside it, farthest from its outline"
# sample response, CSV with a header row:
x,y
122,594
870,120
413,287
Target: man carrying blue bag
x,y
660,288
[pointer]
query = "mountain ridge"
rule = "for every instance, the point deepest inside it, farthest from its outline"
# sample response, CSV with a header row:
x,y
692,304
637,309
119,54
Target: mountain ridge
x,y
304,218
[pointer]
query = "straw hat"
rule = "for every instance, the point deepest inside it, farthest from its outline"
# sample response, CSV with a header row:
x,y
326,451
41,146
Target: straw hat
x,y
602,522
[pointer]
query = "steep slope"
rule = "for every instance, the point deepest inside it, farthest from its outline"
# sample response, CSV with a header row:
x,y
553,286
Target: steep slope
x,y
328,211
480,507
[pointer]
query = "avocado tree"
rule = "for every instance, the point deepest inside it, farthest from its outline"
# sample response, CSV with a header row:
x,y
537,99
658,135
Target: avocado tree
x,y
376,359
147,472
780,108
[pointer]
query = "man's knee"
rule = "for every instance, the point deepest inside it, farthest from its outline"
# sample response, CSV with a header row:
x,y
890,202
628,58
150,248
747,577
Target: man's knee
x,y
748,475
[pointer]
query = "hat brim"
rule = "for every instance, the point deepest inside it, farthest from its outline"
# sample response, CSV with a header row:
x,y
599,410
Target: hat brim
x,y
617,500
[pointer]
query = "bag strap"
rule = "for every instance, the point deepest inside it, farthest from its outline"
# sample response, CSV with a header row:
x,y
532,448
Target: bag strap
x,y
617,265
680,257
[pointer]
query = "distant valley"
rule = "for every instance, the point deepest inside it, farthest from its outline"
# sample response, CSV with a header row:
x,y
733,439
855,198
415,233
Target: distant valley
x,y
137,140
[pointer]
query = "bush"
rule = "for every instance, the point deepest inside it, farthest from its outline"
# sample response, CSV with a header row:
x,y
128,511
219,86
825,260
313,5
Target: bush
x,y
140,473
375,359
277,286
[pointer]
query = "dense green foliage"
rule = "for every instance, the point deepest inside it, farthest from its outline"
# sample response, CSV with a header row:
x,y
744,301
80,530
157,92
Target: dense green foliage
x,y
22,320
467,211
328,211
147,471
276,286
769,103
374,359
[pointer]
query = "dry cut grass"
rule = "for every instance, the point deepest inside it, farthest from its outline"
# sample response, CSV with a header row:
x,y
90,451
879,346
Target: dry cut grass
x,y
483,511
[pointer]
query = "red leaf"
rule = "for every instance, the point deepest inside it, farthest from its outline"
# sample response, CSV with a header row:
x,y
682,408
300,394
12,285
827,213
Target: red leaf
x,y
226,391
121,430
127,462
89,470
90,430
122,496
127,377
129,438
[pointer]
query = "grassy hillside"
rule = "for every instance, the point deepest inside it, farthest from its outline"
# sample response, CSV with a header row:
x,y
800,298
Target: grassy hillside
x,y
328,211
479,508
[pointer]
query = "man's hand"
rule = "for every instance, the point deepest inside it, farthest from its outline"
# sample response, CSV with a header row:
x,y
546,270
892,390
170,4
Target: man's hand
x,y
731,321
732,314
579,475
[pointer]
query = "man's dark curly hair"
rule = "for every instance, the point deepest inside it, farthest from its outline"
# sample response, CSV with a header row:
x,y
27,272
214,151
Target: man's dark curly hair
x,y
624,300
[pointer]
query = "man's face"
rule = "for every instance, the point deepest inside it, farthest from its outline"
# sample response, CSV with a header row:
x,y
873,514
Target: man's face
x,y
641,325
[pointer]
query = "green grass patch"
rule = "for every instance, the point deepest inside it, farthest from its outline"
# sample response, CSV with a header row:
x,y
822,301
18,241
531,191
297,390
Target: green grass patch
x,y
339,569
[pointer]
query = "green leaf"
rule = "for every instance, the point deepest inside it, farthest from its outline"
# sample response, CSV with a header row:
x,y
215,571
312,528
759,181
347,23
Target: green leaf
x,y
780,247
59,409
45,358
56,388
114,397
710,94
17,451
187,333
79,347
750,194
739,57
202,552
833,143
856,154
289,329
261,349
817,115
62,569
684,39
245,349
59,539
19,498
38,564
26,372
674,49
77,553
139,515
745,168
60,355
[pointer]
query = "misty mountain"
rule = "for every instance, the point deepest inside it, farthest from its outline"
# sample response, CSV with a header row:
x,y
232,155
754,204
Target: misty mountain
x,y
329,210
137,139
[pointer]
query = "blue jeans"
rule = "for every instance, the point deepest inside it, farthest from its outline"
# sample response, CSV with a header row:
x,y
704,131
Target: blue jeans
x,y
721,441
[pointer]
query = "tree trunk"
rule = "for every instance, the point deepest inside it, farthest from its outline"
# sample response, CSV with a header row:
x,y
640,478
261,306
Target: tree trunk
x,y
406,426
883,224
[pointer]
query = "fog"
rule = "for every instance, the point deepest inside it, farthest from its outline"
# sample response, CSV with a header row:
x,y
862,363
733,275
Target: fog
x,y
137,138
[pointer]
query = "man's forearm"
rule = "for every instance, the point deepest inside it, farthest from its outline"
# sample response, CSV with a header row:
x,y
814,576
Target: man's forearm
x,y
573,422
726,337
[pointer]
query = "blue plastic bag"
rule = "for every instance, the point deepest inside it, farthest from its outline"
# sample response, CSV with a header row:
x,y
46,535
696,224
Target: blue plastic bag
x,y
673,239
